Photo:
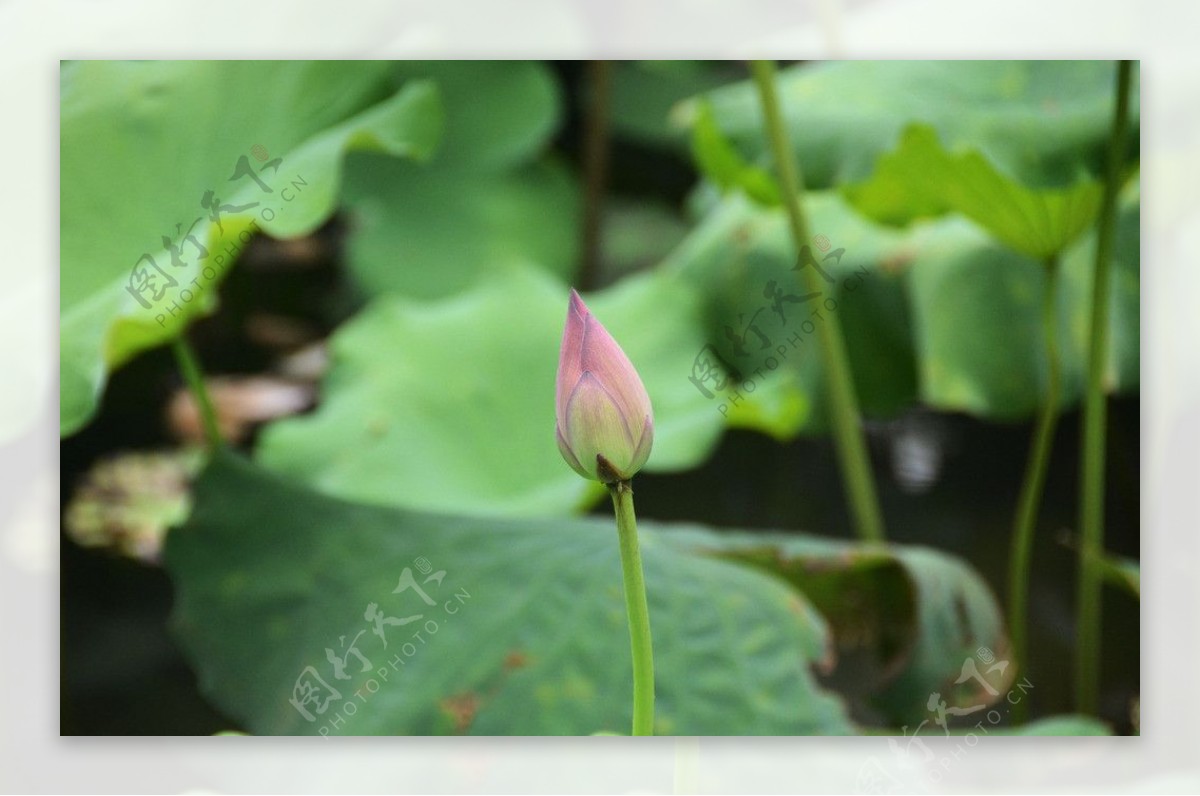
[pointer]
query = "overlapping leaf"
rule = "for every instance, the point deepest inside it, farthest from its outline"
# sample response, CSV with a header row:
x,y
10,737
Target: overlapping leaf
x,y
521,627
717,158
486,199
920,179
1041,122
760,316
426,233
647,94
977,311
449,405
168,169
733,649
908,619
498,114
941,313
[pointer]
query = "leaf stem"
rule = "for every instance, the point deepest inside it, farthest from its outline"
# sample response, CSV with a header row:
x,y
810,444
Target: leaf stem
x,y
189,366
1035,479
847,432
1091,502
638,610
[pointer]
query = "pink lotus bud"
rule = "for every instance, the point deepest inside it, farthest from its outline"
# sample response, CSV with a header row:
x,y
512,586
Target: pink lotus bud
x,y
604,423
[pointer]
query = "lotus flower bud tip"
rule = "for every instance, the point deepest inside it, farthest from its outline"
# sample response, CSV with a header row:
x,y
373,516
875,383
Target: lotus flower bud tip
x,y
603,421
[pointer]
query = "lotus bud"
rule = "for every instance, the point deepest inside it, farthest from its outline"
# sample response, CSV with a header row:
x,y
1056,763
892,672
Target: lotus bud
x,y
603,419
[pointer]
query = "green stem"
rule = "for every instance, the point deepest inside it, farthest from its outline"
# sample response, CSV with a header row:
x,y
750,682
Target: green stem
x,y
1035,479
190,367
639,611
1091,502
852,450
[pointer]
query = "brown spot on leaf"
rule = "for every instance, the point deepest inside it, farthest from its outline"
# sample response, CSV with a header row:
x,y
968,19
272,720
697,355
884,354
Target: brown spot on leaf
x,y
462,709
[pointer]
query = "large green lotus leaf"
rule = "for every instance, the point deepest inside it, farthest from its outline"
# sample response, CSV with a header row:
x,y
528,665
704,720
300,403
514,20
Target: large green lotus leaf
x,y
904,619
739,250
521,627
978,328
1042,122
498,113
645,95
449,405
920,179
637,235
428,232
718,159
144,144
940,313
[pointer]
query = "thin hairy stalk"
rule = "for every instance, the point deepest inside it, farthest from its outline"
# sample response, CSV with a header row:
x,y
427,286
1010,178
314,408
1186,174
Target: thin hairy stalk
x,y
636,607
189,366
1091,501
1035,480
843,403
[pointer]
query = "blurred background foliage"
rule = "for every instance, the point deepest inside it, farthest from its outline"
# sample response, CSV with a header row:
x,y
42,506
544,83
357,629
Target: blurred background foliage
x,y
382,350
